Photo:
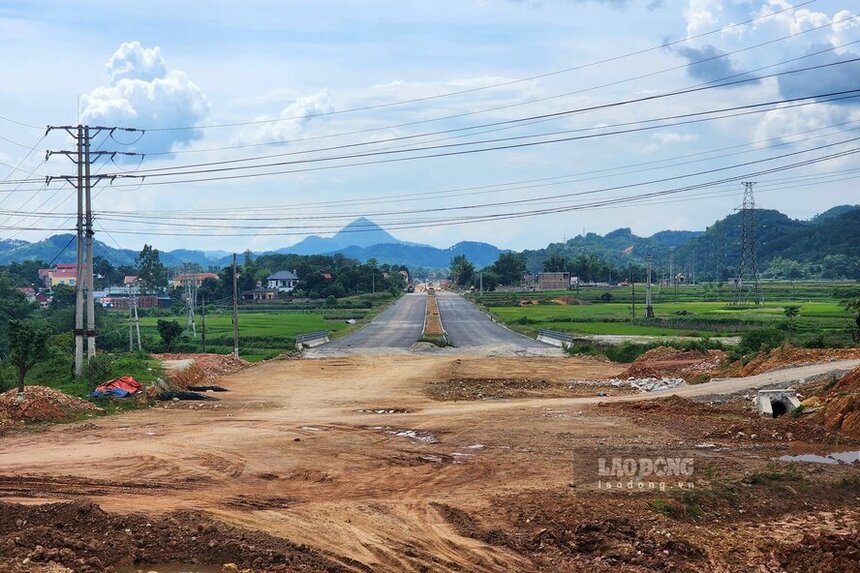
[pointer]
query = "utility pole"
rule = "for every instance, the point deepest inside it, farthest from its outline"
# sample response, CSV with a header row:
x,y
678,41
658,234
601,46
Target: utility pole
x,y
649,310
190,300
632,294
235,310
82,157
203,316
133,320
373,283
481,282
88,270
79,262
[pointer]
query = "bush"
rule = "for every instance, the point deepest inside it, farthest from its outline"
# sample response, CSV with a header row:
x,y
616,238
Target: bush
x,y
761,339
606,297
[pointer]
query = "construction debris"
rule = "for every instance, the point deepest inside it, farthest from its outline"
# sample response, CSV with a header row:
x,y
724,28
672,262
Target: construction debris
x,y
43,404
649,384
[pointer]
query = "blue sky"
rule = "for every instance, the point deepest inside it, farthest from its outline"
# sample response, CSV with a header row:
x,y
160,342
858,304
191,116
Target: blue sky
x,y
166,64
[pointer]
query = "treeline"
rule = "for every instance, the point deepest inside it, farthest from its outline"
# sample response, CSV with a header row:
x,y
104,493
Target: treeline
x,y
509,268
320,276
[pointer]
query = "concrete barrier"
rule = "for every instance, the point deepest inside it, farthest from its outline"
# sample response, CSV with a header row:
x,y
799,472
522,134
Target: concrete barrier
x,y
311,340
555,338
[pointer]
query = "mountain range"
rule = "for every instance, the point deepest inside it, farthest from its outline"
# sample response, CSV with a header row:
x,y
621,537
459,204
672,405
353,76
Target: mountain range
x,y
362,239
833,232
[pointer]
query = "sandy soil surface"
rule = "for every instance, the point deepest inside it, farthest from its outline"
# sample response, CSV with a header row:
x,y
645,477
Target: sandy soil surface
x,y
360,466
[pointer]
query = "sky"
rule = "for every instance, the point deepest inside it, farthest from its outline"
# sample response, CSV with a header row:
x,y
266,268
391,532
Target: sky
x,y
512,122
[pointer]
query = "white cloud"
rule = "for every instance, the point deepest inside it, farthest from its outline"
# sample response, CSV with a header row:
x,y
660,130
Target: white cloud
x,y
787,124
292,120
143,93
702,16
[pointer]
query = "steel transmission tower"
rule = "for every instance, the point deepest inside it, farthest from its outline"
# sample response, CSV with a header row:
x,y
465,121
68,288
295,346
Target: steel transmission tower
x,y
747,284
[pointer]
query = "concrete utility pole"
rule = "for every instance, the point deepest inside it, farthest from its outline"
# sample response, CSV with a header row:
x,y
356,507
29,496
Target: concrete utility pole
x,y
82,157
79,262
235,309
649,310
88,270
203,317
632,294
481,282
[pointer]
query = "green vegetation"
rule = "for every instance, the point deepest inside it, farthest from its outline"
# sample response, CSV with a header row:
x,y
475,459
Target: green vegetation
x,y
265,331
820,313
439,340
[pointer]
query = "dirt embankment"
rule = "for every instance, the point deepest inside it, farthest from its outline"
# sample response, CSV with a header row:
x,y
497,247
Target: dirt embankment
x,y
183,370
41,404
506,378
665,362
839,407
82,537
785,357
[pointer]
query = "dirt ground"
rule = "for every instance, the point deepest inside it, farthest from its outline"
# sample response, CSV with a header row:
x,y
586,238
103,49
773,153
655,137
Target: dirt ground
x,y
359,464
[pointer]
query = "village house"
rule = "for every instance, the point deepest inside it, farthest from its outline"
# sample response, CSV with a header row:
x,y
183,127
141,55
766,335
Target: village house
x,y
283,281
63,274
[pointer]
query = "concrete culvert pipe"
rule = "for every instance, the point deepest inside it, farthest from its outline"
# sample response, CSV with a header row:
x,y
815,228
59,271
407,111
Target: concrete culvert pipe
x,y
779,408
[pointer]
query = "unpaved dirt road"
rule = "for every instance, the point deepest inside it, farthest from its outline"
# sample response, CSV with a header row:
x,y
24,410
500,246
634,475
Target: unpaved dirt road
x,y
350,455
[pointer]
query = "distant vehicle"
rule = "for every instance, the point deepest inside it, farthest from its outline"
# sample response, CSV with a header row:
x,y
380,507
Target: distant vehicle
x,y
410,288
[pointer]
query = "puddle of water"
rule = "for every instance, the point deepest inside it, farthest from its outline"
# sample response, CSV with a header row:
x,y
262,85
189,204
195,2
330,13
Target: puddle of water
x,y
417,435
384,411
171,568
834,458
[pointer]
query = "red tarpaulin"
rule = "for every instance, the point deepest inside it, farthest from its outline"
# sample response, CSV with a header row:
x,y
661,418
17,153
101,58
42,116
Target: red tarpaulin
x,y
121,387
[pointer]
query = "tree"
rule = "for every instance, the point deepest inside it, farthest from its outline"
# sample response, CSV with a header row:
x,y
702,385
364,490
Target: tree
x,y
169,331
150,269
556,263
509,268
27,345
62,296
462,270
853,305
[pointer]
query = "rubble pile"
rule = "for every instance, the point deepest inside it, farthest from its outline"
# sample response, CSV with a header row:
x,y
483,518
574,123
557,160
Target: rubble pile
x,y
648,384
42,404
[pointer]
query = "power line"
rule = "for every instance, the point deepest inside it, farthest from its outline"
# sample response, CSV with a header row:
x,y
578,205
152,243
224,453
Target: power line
x,y
441,154
661,46
171,170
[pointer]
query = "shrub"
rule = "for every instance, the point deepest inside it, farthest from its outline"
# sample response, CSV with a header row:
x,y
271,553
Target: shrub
x,y
761,339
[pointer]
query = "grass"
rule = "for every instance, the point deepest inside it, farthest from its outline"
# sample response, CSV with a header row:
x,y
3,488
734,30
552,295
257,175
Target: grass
x,y
263,334
696,311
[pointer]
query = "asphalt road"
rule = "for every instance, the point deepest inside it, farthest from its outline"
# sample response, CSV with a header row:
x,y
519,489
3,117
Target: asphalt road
x,y
469,327
398,326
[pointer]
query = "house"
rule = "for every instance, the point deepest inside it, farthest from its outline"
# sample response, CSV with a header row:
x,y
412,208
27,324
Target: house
x,y
182,279
130,280
28,292
63,274
43,300
282,281
327,276
553,281
260,294
125,302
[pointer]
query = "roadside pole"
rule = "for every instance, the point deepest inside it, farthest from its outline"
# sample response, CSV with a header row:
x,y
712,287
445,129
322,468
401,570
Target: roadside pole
x,y
203,316
235,310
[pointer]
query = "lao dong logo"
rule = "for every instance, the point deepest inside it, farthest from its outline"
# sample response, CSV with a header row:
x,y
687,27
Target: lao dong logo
x,y
644,473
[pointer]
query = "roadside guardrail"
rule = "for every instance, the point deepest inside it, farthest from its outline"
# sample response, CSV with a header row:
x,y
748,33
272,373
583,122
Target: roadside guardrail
x,y
311,339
